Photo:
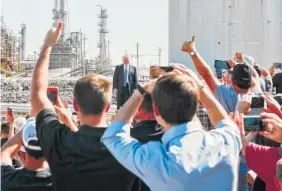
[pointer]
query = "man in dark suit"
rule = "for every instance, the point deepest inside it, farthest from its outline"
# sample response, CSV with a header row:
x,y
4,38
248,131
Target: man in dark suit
x,y
125,81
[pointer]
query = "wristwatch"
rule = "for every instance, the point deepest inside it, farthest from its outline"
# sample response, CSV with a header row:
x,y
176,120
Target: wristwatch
x,y
141,90
192,53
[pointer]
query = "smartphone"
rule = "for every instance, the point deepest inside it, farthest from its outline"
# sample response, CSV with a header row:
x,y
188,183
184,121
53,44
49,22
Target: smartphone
x,y
220,65
277,65
257,102
156,71
10,112
52,94
253,123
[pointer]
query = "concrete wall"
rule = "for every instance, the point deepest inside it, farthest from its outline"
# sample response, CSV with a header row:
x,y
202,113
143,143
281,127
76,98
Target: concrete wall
x,y
223,27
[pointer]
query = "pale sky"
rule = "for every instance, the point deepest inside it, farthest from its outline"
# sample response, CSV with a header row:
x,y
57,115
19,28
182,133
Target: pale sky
x,y
145,21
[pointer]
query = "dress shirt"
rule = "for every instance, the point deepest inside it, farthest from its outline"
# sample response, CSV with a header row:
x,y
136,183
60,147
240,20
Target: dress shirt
x,y
127,67
188,158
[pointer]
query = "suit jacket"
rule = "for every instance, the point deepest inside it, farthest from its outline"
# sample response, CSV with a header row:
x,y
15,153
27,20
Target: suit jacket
x,y
119,78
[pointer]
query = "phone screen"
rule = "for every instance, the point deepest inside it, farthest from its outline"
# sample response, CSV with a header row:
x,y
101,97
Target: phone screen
x,y
52,95
257,102
278,65
156,71
220,65
253,123
10,112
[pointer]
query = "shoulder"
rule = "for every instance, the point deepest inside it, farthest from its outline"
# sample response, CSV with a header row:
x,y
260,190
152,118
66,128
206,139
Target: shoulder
x,y
7,171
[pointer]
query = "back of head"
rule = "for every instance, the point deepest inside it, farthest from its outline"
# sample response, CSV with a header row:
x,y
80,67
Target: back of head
x,y
145,111
5,128
30,141
242,77
176,98
92,94
147,104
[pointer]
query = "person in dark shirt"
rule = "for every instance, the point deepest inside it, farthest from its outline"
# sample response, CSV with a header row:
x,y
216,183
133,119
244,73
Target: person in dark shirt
x,y
4,133
78,160
35,172
277,82
147,129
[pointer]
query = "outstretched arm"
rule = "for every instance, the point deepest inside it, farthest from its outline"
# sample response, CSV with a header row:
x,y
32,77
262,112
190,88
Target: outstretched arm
x,y
11,148
115,79
39,99
201,66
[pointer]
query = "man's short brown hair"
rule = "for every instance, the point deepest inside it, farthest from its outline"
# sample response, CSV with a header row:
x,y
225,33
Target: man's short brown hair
x,y
176,97
92,94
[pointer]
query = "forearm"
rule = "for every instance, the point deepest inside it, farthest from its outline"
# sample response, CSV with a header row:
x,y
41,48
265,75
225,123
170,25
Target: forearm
x,y
11,148
11,131
40,79
205,71
130,108
214,109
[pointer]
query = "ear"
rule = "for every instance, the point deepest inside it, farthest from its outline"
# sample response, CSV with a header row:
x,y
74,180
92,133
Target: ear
x,y
75,105
156,110
107,108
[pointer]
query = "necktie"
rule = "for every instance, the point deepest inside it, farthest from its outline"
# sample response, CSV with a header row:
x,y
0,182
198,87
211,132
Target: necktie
x,y
125,76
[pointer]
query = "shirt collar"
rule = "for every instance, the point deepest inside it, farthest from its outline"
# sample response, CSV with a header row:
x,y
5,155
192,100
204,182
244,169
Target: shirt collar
x,y
125,66
92,131
181,129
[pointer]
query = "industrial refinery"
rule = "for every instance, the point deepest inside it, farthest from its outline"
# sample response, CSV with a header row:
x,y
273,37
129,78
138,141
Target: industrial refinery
x,y
68,57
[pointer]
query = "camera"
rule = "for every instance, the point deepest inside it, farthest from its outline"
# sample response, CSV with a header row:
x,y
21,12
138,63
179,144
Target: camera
x,y
257,102
253,123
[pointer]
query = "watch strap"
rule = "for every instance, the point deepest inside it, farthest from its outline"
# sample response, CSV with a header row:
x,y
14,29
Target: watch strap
x,y
141,90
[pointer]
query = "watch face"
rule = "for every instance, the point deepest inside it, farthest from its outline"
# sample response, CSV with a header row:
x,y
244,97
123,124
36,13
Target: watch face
x,y
192,53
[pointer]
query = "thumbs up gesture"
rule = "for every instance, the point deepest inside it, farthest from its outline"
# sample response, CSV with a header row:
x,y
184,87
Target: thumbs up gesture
x,y
189,46
53,36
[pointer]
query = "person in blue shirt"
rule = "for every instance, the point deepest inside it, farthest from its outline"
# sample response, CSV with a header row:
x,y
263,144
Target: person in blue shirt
x,y
244,80
188,158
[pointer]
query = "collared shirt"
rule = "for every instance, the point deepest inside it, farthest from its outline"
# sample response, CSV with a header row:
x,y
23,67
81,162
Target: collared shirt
x,y
188,158
228,98
78,160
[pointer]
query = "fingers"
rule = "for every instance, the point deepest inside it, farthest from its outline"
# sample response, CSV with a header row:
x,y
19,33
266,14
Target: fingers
x,y
266,135
59,28
57,109
231,115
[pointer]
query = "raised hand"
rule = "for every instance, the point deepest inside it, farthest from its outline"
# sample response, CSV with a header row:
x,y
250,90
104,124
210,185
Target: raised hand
x,y
238,56
244,103
272,105
273,125
186,71
189,46
53,36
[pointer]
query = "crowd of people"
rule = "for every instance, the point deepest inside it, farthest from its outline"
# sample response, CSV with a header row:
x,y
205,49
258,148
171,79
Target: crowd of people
x,y
175,132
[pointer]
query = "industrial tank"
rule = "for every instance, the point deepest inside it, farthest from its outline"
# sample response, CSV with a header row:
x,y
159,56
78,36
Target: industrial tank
x,y
223,27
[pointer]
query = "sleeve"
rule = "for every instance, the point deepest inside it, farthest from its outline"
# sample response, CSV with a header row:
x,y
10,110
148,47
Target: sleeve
x,y
6,171
115,78
230,131
48,127
136,78
145,161
225,95
262,160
